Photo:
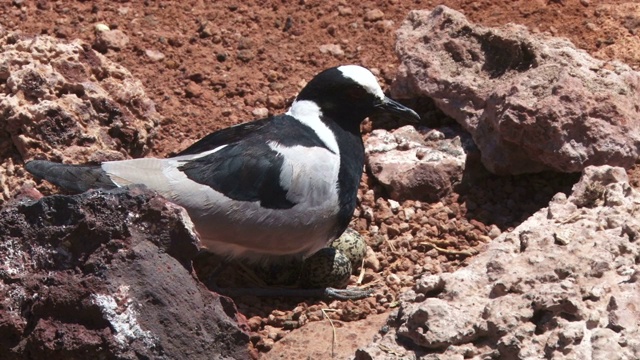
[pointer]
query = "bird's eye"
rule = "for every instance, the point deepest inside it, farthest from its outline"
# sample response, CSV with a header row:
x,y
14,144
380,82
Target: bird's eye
x,y
356,93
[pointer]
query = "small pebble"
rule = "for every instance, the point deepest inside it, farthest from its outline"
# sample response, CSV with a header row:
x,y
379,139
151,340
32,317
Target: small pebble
x,y
110,39
193,90
345,11
265,344
371,261
394,205
333,49
494,232
261,112
154,55
275,101
101,27
374,15
246,55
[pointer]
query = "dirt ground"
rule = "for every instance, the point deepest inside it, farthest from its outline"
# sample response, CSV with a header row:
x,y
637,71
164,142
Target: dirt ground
x,y
225,62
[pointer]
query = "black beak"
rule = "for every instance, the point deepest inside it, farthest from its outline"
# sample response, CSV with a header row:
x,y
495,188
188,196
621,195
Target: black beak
x,y
396,110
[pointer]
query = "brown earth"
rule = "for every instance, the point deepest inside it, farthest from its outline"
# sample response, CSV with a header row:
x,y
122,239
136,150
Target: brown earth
x,y
225,59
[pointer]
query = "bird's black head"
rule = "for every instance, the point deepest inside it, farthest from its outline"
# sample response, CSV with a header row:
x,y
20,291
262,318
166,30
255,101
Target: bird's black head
x,y
348,94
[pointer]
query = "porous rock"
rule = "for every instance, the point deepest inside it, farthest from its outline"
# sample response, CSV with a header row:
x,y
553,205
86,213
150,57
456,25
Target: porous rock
x,y
531,102
69,102
421,164
529,295
107,275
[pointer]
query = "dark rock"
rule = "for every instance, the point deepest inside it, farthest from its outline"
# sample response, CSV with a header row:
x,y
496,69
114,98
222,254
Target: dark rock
x,y
107,275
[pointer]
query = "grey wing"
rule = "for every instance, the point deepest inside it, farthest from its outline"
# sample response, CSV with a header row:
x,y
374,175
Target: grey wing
x,y
241,171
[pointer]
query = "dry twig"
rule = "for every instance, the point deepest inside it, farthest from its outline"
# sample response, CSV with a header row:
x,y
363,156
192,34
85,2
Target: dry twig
x,y
333,328
466,253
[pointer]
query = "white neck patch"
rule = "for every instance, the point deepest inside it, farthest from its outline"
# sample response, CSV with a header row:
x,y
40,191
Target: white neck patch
x,y
308,113
363,77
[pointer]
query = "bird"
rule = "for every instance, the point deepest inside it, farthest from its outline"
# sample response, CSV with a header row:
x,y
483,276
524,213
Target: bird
x,y
284,185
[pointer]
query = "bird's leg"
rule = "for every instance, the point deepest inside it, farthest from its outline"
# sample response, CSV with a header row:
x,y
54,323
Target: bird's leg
x,y
329,292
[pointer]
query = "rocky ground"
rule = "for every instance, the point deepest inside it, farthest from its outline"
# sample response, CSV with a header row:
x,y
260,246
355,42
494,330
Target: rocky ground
x,y
207,65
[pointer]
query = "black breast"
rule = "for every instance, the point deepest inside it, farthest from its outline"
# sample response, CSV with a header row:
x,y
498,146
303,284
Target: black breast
x,y
351,164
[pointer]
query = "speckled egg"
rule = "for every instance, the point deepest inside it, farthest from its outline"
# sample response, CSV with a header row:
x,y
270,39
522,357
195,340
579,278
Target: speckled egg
x,y
352,244
328,267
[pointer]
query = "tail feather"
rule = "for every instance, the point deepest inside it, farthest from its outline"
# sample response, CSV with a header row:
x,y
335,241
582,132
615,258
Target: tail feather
x,y
77,178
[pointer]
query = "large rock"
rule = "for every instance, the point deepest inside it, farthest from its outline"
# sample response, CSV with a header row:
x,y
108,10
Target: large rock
x,y
531,103
564,284
69,102
419,164
107,275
